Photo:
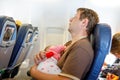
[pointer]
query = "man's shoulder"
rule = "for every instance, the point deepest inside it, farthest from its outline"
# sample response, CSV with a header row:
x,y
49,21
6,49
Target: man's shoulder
x,y
83,43
85,46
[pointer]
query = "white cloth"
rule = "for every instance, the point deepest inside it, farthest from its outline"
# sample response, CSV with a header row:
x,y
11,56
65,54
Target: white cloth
x,y
110,59
49,66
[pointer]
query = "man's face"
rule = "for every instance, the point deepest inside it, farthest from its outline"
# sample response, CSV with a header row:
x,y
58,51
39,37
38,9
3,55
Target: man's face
x,y
75,23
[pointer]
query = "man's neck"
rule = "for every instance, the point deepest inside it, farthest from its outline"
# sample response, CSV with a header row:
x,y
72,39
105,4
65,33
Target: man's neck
x,y
76,37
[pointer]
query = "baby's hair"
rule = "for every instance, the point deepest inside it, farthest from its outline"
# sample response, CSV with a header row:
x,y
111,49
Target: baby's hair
x,y
46,48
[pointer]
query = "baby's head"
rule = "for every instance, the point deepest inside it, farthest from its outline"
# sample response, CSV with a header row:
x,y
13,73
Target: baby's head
x,y
47,48
115,48
54,51
58,49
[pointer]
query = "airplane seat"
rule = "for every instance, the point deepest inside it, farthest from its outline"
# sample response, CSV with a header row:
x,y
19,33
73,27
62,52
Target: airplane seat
x,y
32,50
34,38
21,47
24,41
35,34
34,46
8,34
101,40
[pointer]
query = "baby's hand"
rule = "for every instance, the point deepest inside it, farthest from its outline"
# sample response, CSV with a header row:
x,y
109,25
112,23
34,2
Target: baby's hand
x,y
39,57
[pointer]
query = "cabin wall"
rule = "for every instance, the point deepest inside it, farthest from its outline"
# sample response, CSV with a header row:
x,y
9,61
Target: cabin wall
x,y
52,16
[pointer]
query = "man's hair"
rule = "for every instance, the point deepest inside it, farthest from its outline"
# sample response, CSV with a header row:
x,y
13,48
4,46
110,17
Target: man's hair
x,y
91,15
115,48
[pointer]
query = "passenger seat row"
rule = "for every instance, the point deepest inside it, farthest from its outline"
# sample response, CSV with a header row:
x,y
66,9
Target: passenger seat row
x,y
14,46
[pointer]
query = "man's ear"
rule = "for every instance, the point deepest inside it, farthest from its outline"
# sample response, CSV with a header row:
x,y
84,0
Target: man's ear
x,y
85,22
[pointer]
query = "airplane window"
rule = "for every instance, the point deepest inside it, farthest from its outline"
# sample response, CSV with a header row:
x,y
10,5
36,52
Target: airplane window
x,y
8,33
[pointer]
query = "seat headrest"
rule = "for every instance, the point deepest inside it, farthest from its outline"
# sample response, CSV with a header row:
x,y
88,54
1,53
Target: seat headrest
x,y
101,40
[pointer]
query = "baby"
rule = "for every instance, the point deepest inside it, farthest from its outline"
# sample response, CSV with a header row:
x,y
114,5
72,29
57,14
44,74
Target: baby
x,y
49,64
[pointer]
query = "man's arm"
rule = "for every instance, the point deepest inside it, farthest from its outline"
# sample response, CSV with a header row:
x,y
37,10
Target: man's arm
x,y
44,76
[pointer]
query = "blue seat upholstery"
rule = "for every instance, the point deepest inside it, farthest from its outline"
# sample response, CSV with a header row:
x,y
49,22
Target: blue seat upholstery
x,y
20,50
22,45
7,40
101,40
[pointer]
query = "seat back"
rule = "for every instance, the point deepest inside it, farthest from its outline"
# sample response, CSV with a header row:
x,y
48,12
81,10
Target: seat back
x,y
34,38
101,40
22,45
35,34
7,39
34,49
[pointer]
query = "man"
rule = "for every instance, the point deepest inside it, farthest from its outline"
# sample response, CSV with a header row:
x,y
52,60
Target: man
x,y
77,58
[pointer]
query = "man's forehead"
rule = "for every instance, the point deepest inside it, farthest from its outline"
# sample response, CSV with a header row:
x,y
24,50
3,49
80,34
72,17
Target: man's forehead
x,y
78,13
